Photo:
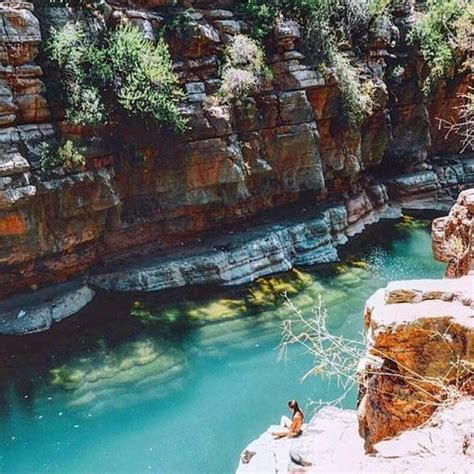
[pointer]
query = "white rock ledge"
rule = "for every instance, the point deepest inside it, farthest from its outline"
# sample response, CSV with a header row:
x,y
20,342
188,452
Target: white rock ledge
x,y
245,256
330,443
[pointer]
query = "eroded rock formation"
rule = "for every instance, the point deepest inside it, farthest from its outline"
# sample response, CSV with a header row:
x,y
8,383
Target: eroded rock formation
x,y
289,145
420,352
453,236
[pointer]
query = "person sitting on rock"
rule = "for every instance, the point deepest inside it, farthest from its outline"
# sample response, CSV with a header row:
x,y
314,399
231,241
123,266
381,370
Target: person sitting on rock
x,y
293,427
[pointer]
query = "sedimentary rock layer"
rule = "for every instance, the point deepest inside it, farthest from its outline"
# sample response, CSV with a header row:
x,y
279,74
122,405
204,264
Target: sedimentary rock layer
x,y
230,258
289,142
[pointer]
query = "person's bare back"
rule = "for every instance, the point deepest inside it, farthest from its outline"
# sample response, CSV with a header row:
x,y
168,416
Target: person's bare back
x,y
291,428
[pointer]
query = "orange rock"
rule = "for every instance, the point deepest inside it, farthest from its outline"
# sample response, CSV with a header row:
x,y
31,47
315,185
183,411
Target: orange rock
x,y
12,224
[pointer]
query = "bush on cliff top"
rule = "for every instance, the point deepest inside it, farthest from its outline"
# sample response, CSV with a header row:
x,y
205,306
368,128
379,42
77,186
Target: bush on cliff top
x,y
326,25
244,69
444,35
123,67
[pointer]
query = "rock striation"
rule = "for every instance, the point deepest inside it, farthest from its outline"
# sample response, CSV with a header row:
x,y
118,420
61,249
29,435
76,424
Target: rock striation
x,y
241,257
288,145
36,312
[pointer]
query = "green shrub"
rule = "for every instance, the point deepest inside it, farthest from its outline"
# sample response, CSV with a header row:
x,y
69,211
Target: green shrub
x,y
180,22
137,73
244,69
356,96
70,49
325,26
66,155
262,15
142,75
443,35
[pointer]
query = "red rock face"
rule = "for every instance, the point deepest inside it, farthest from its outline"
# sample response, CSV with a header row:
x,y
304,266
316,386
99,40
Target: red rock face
x,y
445,108
419,354
288,142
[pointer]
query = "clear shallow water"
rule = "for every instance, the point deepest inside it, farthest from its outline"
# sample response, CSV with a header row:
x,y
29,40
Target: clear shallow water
x,y
159,391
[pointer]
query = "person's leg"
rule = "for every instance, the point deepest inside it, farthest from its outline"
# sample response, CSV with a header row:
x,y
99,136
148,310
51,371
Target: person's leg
x,y
285,422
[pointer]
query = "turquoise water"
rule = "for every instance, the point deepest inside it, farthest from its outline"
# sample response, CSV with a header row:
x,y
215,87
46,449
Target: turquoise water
x,y
183,383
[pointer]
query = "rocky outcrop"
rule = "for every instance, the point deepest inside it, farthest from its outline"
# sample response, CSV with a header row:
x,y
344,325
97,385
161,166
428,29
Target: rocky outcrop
x,y
416,392
453,236
420,352
145,192
434,188
444,444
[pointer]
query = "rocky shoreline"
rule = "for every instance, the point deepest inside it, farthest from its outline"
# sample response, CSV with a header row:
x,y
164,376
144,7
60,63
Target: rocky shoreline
x,y
232,258
399,426
331,444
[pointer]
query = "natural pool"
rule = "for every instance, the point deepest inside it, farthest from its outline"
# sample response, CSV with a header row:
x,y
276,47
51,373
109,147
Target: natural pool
x,y
135,384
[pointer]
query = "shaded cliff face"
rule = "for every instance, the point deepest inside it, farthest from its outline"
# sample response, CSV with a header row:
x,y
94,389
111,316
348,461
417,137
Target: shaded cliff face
x,y
287,143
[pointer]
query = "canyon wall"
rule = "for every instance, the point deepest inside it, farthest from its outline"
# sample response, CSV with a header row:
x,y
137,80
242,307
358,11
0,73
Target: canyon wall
x,y
289,145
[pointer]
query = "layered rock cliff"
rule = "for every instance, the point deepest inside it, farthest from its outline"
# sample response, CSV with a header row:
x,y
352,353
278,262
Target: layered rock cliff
x,y
287,147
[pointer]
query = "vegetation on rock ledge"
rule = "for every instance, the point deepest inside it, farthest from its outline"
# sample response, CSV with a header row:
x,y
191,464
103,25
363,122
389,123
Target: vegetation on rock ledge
x,y
66,155
327,25
121,67
244,69
443,34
